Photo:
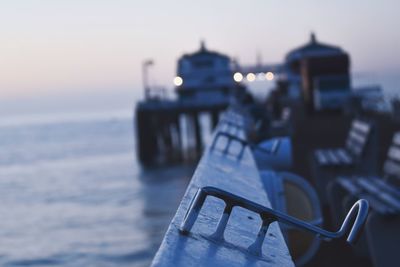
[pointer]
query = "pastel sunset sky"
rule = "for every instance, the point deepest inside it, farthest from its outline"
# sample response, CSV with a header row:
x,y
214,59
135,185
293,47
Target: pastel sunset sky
x,y
83,49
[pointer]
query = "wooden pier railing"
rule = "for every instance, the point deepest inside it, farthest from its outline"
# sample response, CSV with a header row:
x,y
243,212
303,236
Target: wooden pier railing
x,y
229,166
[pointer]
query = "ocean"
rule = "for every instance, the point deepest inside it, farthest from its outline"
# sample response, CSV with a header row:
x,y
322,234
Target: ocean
x,y
73,194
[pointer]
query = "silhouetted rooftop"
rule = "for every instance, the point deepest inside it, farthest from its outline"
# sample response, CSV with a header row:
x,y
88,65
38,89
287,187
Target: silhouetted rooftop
x,y
203,51
313,48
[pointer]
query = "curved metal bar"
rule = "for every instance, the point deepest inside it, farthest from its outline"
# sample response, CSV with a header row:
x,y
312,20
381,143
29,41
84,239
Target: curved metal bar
x,y
231,137
352,225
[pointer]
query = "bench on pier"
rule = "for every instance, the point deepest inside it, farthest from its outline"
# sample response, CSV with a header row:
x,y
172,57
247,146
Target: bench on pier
x,y
383,194
358,154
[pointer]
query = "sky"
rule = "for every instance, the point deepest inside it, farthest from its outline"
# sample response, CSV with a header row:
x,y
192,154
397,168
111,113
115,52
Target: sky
x,y
77,54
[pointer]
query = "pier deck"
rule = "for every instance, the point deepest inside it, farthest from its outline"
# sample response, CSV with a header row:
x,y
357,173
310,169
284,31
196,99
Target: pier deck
x,y
240,177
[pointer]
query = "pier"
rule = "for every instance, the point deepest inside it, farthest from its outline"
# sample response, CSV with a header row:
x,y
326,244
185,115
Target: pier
x,y
170,129
163,126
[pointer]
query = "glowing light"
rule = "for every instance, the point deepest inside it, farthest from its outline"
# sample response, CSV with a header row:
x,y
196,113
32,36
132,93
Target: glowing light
x,y
238,77
269,75
250,77
178,81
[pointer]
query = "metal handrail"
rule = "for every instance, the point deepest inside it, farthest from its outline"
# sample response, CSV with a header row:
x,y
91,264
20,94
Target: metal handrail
x,y
357,214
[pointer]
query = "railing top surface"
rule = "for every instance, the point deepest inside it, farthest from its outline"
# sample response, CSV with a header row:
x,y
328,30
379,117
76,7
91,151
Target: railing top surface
x,y
240,177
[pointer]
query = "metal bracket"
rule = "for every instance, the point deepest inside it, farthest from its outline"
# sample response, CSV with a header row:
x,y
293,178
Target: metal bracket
x,y
235,125
352,225
243,143
230,137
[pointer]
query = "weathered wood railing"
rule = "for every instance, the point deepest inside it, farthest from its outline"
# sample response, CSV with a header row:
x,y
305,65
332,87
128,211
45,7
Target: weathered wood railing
x,y
237,173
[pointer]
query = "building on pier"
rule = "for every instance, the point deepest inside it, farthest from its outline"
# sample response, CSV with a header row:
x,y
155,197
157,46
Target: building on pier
x,y
204,74
319,74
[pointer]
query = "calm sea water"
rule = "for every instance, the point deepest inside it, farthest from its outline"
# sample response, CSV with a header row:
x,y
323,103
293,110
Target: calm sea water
x,y
73,194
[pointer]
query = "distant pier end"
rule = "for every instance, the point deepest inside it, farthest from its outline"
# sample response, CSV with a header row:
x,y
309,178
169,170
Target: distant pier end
x,y
171,130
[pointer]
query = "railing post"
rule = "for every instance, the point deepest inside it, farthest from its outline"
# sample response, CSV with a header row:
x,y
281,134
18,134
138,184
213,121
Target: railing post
x,y
256,247
223,221
193,212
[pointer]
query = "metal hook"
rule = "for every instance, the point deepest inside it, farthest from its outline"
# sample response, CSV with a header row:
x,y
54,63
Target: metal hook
x,y
351,227
230,138
274,149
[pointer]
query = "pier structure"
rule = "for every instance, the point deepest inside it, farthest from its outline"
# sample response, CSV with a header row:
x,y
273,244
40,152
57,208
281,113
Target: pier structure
x,y
171,130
